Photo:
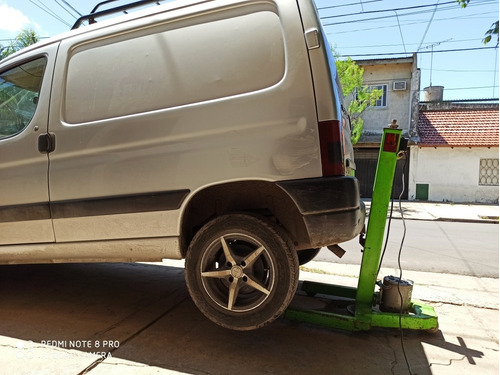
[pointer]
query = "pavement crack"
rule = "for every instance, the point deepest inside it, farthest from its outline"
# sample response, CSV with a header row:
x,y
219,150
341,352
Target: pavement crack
x,y
91,366
131,337
154,321
465,304
124,364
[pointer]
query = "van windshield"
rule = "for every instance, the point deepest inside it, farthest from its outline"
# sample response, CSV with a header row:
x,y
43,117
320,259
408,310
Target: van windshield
x,y
19,91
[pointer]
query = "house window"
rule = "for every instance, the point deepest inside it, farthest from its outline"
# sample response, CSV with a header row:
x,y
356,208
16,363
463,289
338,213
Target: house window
x,y
488,172
382,102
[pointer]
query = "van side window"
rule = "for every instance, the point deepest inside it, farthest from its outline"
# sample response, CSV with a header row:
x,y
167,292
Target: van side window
x,y
19,91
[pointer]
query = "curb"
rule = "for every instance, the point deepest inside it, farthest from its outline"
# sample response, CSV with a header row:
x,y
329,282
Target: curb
x,y
451,219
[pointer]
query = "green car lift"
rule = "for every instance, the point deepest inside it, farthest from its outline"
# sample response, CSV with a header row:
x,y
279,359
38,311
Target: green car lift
x,y
367,313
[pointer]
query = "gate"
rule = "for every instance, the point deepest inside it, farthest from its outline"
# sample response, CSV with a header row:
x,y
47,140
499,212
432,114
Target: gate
x,y
366,166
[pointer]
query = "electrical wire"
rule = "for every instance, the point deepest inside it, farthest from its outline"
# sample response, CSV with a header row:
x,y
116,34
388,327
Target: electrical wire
x,y
388,230
419,52
379,27
346,5
387,10
65,9
428,26
399,255
50,12
408,44
401,336
416,12
71,7
400,32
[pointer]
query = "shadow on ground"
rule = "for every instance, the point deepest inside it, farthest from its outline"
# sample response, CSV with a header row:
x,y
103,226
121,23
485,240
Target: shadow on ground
x,y
147,310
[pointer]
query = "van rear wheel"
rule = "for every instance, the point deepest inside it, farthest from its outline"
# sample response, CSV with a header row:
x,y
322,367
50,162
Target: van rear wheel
x,y
241,271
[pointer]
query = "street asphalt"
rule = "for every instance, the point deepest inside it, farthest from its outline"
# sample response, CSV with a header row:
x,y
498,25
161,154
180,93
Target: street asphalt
x,y
139,319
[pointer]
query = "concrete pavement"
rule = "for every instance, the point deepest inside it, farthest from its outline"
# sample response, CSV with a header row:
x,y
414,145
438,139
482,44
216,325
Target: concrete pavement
x,y
421,210
139,319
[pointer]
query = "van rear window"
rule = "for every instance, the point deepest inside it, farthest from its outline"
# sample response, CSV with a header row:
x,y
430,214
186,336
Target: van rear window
x,y
204,61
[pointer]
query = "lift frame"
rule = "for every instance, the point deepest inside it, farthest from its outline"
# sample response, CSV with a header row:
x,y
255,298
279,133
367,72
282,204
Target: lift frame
x,y
366,312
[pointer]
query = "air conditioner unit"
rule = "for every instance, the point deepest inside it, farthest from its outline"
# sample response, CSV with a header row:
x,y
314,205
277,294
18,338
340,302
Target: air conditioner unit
x,y
399,85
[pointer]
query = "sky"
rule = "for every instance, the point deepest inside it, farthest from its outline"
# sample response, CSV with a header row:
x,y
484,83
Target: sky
x,y
446,37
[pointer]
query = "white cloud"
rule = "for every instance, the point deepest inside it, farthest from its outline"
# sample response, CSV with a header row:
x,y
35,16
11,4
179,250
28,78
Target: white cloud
x,y
12,20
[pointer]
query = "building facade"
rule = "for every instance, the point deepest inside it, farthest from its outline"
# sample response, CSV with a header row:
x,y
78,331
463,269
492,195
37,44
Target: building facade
x,y
456,157
399,80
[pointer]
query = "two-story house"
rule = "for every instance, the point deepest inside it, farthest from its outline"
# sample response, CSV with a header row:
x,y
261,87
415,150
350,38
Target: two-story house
x,y
399,81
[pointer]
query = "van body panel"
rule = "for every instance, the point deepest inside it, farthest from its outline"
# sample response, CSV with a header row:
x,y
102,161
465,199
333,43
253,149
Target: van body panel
x,y
127,134
130,250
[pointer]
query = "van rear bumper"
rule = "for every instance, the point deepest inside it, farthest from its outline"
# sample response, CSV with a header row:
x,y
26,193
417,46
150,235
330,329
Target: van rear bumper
x,y
331,208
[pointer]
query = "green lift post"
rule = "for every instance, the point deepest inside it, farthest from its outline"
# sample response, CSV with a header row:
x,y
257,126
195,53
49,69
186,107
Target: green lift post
x,y
367,313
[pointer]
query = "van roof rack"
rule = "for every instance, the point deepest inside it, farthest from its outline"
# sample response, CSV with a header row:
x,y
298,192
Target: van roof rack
x,y
91,17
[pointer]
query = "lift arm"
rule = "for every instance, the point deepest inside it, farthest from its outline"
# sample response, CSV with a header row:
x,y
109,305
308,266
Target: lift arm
x,y
366,312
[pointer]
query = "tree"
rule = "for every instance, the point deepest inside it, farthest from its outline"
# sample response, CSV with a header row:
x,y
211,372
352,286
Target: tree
x,y
493,30
24,39
358,96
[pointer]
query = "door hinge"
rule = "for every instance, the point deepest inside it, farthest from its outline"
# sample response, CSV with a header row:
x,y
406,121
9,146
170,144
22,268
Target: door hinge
x,y
46,142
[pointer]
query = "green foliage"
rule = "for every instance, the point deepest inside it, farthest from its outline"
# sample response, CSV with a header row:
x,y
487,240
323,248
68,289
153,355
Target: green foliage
x,y
493,30
350,75
24,39
358,96
357,130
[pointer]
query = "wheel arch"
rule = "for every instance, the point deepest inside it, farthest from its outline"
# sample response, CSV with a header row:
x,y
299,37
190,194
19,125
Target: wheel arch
x,y
259,197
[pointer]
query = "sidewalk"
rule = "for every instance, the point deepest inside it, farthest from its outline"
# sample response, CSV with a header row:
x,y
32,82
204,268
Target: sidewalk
x,y
145,311
418,210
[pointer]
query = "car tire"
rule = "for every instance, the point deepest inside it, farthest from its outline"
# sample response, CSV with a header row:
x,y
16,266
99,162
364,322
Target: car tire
x,y
241,271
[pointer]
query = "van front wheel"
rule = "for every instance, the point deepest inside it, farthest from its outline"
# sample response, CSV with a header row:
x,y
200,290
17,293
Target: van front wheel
x,y
241,271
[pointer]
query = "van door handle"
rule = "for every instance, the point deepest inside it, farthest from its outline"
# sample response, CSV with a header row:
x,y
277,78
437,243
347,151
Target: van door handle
x,y
312,39
46,143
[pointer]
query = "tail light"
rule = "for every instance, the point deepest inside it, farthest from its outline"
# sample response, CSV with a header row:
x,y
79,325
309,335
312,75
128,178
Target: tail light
x,y
332,156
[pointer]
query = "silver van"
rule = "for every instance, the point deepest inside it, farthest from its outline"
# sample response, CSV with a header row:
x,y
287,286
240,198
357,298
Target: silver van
x,y
204,130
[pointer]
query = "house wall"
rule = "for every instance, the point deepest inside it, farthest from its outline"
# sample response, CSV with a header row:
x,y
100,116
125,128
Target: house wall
x,y
398,102
451,173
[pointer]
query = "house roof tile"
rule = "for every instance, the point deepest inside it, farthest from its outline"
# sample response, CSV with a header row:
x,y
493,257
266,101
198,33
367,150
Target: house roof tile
x,y
459,128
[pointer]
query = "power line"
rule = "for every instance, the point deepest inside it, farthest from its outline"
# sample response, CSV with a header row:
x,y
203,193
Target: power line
x,y
346,5
441,8
420,52
461,70
468,88
406,24
65,9
387,10
408,44
50,12
400,32
73,9
428,26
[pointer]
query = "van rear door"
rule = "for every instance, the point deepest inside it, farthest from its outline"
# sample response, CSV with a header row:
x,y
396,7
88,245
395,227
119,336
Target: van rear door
x,y
328,93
